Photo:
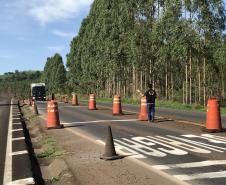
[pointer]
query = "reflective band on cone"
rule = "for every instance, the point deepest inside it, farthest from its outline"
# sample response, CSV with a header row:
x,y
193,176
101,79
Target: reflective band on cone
x,y
143,116
117,108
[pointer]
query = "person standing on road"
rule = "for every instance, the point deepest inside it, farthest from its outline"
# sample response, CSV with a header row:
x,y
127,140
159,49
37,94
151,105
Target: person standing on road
x,y
150,97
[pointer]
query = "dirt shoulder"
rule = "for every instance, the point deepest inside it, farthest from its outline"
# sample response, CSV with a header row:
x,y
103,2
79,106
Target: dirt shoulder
x,y
82,158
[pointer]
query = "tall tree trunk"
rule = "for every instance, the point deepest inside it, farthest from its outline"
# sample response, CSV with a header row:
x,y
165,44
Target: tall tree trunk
x,y
204,81
190,78
134,81
183,93
199,87
166,81
186,83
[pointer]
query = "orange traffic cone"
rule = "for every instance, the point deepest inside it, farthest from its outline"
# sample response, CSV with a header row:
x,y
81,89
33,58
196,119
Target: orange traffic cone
x,y
92,102
74,100
143,116
117,108
213,117
53,120
110,153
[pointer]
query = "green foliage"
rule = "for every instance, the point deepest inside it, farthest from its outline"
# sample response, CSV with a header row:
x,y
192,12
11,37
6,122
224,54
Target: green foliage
x,y
123,45
54,74
18,83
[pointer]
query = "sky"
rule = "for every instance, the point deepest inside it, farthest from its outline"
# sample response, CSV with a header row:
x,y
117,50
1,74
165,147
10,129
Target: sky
x,y
32,30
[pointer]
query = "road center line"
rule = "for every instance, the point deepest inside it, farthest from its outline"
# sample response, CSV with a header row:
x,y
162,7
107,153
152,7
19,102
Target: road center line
x,y
100,121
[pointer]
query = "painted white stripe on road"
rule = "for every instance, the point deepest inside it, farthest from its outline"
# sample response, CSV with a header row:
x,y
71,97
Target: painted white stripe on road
x,y
100,121
23,181
8,159
16,130
17,139
17,123
191,165
19,153
210,175
16,118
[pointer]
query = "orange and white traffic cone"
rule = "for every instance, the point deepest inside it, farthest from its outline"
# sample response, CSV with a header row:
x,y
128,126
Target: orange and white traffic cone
x,y
143,116
117,108
74,99
92,102
213,117
53,120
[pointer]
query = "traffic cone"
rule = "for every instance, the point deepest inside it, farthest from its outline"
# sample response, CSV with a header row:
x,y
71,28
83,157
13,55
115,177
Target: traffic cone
x,y
53,120
35,109
92,102
110,153
213,117
117,108
74,100
143,116
65,99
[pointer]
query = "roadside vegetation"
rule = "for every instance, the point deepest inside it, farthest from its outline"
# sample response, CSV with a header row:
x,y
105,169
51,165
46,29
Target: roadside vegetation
x,y
177,45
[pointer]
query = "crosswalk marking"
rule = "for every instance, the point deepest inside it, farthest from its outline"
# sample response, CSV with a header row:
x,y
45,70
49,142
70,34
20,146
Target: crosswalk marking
x,y
191,165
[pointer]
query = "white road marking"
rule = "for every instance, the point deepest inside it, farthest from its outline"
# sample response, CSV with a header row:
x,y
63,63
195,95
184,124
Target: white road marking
x,y
201,144
23,181
17,123
179,144
191,165
209,175
168,148
16,118
71,106
19,153
17,139
208,138
16,130
142,148
99,121
8,159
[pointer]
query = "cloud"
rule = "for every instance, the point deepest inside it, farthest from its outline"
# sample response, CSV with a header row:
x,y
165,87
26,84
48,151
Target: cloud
x,y
63,34
46,11
55,48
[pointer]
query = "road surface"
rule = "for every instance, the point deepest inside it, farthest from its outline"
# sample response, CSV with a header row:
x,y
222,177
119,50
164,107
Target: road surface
x,y
178,149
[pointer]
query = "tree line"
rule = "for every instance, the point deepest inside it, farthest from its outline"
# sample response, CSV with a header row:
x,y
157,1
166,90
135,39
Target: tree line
x,y
18,83
177,45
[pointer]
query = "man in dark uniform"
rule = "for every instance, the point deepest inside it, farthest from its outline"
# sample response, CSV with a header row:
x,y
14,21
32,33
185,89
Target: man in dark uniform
x,y
150,97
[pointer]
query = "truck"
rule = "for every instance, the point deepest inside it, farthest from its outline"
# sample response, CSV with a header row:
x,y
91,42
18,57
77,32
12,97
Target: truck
x,y
38,91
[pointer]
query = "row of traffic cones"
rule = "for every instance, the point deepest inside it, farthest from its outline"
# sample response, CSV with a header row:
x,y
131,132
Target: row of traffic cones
x,y
213,119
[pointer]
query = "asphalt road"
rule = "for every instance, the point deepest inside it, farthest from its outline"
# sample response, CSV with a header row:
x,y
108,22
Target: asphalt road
x,y
4,120
179,149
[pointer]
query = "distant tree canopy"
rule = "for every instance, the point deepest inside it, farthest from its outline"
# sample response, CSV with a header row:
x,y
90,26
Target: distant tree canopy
x,y
54,74
18,83
178,45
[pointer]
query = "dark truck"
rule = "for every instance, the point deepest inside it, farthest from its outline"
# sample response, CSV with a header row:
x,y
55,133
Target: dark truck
x,y
38,91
